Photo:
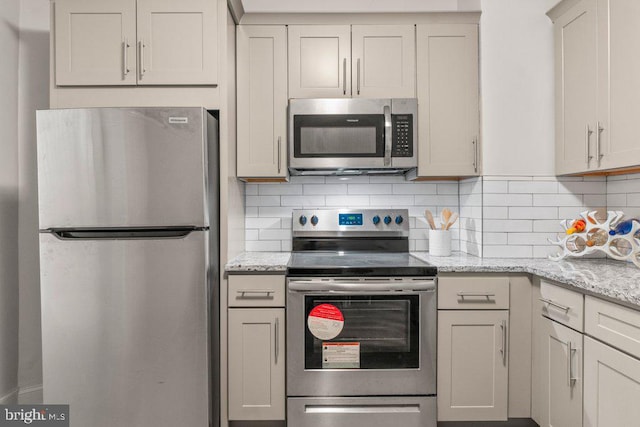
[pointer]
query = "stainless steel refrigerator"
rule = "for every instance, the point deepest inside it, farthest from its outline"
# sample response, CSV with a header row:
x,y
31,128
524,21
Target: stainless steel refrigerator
x,y
128,203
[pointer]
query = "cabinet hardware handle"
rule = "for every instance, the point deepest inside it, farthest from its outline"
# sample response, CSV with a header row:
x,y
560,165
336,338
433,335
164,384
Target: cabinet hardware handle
x,y
572,380
587,138
358,76
277,333
344,76
387,135
598,133
555,304
476,294
266,292
503,349
279,153
142,68
475,154
125,62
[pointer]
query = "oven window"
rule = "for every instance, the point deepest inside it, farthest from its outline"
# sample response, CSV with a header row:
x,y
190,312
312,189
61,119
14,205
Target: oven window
x,y
385,329
338,135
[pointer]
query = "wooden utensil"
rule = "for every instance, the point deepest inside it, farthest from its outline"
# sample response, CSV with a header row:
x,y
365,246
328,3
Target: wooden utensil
x,y
429,216
452,220
445,215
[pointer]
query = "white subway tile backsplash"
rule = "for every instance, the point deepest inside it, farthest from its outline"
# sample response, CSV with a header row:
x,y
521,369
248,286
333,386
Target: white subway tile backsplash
x,y
325,189
270,211
533,212
275,234
529,238
531,187
507,225
616,200
251,190
548,225
587,187
263,245
448,188
347,201
260,223
507,251
495,186
557,200
302,201
262,201
507,199
369,189
495,238
417,188
279,189
391,201
496,212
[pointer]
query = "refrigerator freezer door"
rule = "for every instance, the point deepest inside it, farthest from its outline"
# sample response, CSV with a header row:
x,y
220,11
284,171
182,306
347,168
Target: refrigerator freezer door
x,y
122,167
124,326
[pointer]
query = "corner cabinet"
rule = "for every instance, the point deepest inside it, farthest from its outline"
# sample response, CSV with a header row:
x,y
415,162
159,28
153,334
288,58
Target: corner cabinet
x,y
135,42
262,101
344,61
448,100
597,77
256,348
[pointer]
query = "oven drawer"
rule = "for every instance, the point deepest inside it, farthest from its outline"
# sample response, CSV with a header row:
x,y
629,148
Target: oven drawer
x,y
473,293
383,411
256,290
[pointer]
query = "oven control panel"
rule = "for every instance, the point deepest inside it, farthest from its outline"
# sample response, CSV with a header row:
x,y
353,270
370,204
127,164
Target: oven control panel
x,y
356,222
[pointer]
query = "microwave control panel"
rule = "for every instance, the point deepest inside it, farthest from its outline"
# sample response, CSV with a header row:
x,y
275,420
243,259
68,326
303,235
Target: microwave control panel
x,y
402,145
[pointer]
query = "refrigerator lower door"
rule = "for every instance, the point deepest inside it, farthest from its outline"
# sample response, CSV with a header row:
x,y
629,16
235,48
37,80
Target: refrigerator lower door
x,y
123,167
125,330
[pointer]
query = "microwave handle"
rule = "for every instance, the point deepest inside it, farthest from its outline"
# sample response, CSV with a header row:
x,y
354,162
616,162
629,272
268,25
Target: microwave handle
x,y
387,135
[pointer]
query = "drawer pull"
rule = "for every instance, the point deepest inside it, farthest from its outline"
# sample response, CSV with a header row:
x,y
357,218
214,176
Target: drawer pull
x,y
555,304
256,293
487,295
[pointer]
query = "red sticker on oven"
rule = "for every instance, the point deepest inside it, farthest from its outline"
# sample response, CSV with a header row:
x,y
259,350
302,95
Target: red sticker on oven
x,y
325,321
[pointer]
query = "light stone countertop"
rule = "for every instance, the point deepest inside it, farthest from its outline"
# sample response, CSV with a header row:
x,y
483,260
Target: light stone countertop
x,y
613,280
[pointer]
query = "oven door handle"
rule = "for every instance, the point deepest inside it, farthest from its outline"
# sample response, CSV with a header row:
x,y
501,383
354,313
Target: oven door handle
x,y
360,287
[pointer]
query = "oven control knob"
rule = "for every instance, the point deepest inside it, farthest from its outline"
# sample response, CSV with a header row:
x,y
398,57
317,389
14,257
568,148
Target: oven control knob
x,y
376,220
387,220
399,219
314,220
303,220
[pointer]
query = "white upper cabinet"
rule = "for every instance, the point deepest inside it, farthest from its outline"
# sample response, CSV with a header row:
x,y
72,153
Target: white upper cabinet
x,y
129,42
319,61
262,101
448,100
343,61
177,42
95,42
383,61
576,88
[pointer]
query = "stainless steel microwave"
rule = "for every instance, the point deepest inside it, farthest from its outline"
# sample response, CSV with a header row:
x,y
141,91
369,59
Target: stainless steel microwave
x,y
352,136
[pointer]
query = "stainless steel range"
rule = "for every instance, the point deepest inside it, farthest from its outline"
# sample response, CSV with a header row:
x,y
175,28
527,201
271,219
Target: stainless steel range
x,y
361,322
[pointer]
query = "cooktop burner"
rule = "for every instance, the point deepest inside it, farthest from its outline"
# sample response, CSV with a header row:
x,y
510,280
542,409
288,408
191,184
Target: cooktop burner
x,y
353,242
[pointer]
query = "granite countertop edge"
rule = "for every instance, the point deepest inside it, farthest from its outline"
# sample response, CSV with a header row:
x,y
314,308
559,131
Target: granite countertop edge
x,y
614,280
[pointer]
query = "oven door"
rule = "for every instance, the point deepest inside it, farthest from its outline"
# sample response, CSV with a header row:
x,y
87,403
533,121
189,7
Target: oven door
x,y
384,344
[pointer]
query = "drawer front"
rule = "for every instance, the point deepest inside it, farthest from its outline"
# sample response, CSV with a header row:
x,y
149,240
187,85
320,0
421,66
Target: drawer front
x,y
256,290
562,305
473,293
614,324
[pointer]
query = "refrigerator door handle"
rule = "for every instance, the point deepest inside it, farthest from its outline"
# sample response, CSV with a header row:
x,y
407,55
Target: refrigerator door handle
x,y
130,233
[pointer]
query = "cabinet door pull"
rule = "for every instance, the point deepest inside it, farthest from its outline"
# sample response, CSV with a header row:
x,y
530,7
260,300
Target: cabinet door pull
x,y
264,293
344,76
277,338
587,138
279,153
598,133
503,349
125,57
142,69
475,154
570,351
555,304
358,71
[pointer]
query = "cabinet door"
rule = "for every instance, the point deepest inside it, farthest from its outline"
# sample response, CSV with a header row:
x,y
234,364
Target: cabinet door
x,y
256,364
262,101
448,106
576,88
95,42
560,375
177,42
319,61
383,61
472,365
619,78
611,386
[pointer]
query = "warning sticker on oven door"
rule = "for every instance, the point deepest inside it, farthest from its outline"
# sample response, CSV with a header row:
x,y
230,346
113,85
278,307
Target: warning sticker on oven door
x,y
325,321
340,355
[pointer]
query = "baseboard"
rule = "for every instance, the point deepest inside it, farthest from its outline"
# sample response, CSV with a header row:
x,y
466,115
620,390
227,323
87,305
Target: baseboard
x,y
512,422
10,398
31,395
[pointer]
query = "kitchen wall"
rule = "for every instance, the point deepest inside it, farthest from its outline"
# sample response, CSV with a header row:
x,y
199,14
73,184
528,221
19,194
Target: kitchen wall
x,y
33,95
470,193
269,206
9,292
623,194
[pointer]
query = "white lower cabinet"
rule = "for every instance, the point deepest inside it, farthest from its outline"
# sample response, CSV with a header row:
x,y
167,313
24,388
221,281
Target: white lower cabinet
x,y
472,365
256,364
560,375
